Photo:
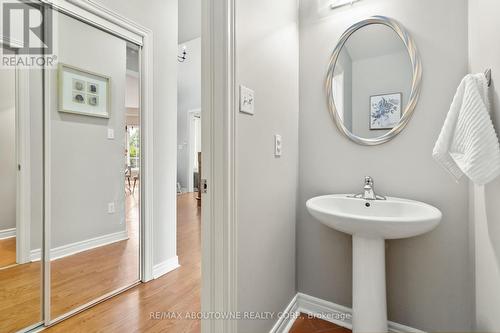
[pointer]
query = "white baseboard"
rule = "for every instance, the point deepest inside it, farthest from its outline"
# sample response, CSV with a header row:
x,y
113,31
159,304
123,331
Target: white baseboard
x,y
329,311
85,245
7,233
165,267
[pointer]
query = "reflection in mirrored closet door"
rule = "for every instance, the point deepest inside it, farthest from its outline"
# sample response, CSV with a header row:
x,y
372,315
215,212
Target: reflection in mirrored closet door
x,y
93,154
21,198
70,140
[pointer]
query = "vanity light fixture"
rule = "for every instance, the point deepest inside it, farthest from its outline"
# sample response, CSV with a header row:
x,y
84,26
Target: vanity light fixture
x,y
183,57
341,3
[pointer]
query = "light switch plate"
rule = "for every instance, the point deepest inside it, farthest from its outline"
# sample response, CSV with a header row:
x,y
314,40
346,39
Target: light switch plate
x,y
247,100
277,145
111,133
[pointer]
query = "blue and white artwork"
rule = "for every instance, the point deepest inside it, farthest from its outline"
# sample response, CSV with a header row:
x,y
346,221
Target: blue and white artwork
x,y
385,111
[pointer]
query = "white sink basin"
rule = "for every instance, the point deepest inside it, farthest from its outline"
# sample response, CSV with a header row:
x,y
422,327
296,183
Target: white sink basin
x,y
388,219
370,222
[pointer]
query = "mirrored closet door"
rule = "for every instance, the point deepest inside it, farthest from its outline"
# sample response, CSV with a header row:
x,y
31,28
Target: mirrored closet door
x,y
70,140
93,152
21,197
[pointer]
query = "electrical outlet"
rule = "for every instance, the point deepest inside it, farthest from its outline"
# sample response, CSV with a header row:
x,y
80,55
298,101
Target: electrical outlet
x,y
111,208
111,133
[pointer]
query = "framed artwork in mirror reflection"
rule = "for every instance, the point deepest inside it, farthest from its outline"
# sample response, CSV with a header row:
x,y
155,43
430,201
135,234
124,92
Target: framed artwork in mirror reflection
x,y
385,111
83,92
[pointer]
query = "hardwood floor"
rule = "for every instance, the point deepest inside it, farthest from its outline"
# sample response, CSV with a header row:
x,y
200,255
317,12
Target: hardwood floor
x,y
145,308
81,278
7,252
20,296
307,324
75,280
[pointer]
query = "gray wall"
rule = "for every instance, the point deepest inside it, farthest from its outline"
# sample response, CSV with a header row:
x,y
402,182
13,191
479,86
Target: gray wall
x,y
429,285
87,167
161,17
188,98
484,53
267,61
8,149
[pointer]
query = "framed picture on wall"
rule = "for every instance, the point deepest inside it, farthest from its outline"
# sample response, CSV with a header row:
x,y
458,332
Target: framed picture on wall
x,y
385,111
83,92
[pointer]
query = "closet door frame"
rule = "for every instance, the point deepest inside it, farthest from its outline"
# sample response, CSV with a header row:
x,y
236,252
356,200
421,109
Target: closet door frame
x,y
108,21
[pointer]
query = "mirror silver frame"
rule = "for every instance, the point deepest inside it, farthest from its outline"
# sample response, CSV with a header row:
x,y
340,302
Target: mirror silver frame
x,y
415,86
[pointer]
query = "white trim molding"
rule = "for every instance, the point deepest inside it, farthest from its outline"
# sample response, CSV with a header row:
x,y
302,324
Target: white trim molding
x,y
99,16
165,267
7,233
81,246
334,313
219,231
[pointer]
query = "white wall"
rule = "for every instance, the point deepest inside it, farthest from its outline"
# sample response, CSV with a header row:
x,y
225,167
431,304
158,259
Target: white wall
x,y
189,20
484,53
36,156
428,277
8,149
188,98
87,167
161,17
267,61
345,68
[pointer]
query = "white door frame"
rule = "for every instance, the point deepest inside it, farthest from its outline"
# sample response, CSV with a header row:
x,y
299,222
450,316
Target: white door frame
x,y
219,236
191,115
23,160
92,13
23,153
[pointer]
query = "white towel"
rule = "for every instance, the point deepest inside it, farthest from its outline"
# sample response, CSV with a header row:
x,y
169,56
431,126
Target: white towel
x,y
468,143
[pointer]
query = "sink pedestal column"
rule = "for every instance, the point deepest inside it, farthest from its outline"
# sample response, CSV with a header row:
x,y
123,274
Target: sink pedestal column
x,y
368,289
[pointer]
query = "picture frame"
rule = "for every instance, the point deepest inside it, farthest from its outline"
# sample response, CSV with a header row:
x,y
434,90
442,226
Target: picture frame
x,y
83,92
385,111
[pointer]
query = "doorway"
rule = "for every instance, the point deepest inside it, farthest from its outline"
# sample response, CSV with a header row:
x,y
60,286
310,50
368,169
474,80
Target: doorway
x,y
194,144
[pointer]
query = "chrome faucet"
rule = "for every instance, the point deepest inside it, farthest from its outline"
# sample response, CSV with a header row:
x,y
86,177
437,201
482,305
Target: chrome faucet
x,y
369,191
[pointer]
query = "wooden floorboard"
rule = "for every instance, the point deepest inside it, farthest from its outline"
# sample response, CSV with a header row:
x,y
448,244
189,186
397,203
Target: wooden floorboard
x,y
7,252
75,280
177,291
310,324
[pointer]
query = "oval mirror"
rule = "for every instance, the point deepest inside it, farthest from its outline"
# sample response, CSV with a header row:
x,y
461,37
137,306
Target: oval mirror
x,y
373,81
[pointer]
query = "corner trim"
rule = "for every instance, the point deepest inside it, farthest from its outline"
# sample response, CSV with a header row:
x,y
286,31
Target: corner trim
x,y
286,320
7,233
165,267
81,246
325,310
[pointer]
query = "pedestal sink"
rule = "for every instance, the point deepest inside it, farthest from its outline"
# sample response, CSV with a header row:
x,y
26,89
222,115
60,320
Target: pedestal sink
x,y
370,222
